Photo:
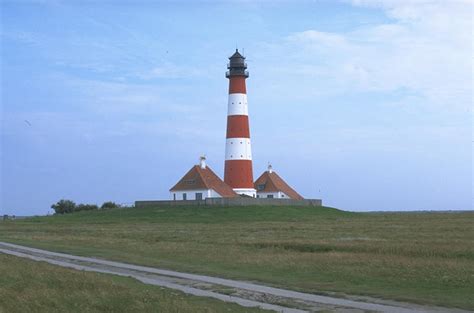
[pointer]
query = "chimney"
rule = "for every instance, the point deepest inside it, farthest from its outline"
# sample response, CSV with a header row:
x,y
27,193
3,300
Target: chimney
x,y
270,168
202,162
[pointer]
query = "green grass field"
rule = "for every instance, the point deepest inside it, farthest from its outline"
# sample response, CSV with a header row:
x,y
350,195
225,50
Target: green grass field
x,y
418,257
29,286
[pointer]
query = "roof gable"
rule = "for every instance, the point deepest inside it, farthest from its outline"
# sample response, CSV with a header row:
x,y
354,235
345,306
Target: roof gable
x,y
272,182
203,178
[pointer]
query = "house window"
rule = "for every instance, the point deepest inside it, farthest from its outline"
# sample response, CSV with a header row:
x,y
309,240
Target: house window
x,y
258,196
174,196
269,196
190,181
282,195
260,187
198,195
184,196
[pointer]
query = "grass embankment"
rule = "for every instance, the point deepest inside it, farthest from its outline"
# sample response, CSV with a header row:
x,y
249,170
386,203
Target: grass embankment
x,y
29,286
419,257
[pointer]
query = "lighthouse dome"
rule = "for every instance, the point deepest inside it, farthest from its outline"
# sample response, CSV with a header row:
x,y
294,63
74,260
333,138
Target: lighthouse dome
x,y
237,65
237,56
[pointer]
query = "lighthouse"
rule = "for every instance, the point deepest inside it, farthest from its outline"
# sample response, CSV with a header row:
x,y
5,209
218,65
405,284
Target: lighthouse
x,y
238,173
201,183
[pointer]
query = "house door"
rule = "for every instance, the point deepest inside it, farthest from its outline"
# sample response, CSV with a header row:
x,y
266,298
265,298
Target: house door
x,y
198,195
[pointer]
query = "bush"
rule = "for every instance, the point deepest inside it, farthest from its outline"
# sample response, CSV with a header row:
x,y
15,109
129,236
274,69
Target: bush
x,y
109,205
68,206
86,207
64,206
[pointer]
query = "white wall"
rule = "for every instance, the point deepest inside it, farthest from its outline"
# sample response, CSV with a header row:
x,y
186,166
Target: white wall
x,y
191,194
276,195
213,194
246,191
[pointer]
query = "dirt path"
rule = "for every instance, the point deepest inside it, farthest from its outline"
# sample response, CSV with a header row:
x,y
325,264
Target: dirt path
x,y
243,293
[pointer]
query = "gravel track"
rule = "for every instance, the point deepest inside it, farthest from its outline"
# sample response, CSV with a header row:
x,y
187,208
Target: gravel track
x,y
243,293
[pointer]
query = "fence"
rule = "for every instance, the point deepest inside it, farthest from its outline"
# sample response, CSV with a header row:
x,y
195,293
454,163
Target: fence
x,y
239,201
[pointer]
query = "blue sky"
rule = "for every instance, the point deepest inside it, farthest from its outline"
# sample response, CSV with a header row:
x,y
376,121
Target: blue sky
x,y
365,104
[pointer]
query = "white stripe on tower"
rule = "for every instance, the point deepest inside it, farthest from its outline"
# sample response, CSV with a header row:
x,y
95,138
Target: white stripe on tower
x,y
238,149
237,104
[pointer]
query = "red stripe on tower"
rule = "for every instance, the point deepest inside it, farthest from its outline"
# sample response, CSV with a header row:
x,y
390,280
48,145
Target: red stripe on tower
x,y
238,172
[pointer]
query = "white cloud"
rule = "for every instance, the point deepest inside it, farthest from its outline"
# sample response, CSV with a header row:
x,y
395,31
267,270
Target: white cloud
x,y
169,71
425,47
329,40
145,109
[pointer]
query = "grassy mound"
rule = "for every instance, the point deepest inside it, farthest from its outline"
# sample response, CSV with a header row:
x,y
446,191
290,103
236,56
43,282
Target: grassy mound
x,y
418,257
204,214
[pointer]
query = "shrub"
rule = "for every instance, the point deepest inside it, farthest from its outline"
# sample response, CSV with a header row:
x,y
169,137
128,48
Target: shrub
x,y
86,207
63,206
109,205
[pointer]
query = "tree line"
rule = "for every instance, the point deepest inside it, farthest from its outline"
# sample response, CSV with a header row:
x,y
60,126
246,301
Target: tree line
x,y
64,206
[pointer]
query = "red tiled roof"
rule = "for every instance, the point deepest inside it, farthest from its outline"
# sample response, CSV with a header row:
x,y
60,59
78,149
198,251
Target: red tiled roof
x,y
274,183
199,178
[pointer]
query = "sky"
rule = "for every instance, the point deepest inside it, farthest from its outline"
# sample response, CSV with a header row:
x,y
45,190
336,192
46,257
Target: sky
x,y
365,104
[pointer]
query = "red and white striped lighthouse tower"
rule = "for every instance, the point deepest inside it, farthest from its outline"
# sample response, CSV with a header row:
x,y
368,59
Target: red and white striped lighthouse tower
x,y
238,172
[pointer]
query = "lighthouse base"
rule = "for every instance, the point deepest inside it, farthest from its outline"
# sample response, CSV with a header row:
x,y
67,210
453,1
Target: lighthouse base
x,y
251,192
